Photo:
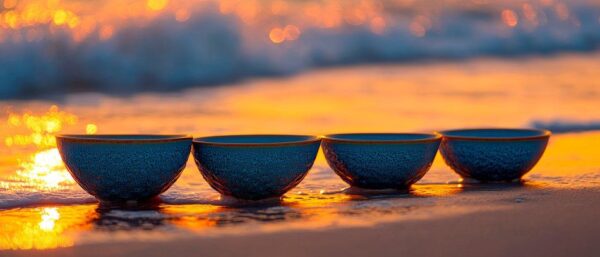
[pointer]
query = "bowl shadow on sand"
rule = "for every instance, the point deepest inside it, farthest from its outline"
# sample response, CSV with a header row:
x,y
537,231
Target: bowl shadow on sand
x,y
153,214
425,190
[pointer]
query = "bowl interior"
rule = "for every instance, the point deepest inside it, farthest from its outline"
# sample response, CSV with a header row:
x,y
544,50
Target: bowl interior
x,y
382,137
495,133
123,137
255,139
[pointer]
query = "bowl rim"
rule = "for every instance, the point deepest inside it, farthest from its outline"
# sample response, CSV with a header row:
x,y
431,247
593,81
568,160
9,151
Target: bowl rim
x,y
542,133
106,138
309,140
433,136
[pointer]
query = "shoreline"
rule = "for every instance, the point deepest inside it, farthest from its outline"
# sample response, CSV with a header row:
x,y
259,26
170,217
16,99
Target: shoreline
x,y
546,225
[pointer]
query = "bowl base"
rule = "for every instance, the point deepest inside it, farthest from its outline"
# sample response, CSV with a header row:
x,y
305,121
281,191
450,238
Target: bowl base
x,y
477,181
130,204
227,200
354,190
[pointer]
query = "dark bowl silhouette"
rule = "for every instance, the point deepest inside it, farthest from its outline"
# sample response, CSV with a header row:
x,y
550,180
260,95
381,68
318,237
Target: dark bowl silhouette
x,y
255,167
380,161
124,167
493,154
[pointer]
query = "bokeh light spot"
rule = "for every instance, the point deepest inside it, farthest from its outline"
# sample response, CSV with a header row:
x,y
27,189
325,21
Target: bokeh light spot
x,y
91,129
510,18
157,5
60,17
291,32
277,35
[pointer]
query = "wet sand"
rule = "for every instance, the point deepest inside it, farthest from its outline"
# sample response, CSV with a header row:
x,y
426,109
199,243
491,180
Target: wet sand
x,y
555,223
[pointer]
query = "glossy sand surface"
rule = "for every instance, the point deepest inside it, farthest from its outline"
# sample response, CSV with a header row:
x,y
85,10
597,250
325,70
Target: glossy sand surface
x,y
42,208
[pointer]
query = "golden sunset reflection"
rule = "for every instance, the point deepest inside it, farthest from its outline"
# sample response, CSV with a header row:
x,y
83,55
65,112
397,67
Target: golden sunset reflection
x,y
40,128
309,200
42,227
435,190
571,155
186,216
44,169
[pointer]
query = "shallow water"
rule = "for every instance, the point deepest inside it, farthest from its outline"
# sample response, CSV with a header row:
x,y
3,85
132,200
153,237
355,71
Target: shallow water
x,y
43,208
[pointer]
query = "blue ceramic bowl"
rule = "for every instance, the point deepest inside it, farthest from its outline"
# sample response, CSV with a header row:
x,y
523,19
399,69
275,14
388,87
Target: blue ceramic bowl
x,y
124,167
493,154
381,161
255,167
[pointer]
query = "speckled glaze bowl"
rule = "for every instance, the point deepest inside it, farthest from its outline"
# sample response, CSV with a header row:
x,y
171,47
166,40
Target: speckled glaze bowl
x,y
381,161
493,155
118,168
255,167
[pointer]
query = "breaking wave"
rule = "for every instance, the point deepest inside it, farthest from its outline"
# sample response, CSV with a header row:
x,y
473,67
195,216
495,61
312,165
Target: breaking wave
x,y
164,54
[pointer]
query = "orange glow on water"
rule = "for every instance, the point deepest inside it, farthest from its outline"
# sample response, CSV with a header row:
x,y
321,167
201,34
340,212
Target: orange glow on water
x,y
42,228
438,190
157,5
42,127
315,200
45,170
48,219
510,18
571,154
188,216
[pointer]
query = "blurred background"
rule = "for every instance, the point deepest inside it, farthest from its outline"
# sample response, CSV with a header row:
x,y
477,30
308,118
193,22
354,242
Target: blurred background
x,y
52,47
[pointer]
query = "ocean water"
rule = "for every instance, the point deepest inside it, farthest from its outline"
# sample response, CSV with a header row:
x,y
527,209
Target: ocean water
x,y
41,207
49,48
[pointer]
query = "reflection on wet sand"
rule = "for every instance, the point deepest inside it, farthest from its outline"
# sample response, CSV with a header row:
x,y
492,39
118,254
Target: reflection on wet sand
x,y
436,190
62,226
188,216
43,227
